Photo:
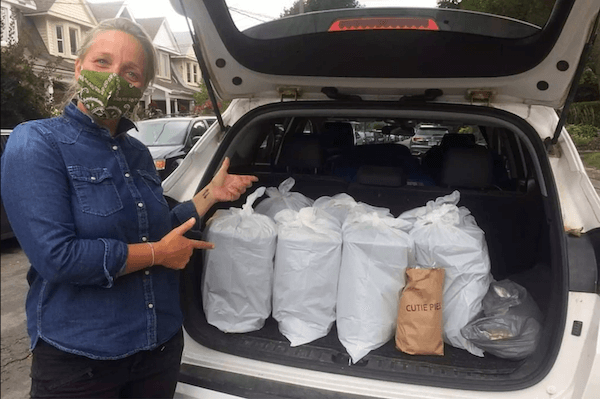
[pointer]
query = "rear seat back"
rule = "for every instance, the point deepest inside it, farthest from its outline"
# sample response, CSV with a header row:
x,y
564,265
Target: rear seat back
x,y
303,154
467,168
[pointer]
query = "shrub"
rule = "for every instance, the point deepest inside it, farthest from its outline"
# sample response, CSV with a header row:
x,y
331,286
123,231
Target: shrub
x,y
583,131
584,113
583,135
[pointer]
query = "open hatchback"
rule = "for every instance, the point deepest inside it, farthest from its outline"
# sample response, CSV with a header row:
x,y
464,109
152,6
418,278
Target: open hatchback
x,y
304,87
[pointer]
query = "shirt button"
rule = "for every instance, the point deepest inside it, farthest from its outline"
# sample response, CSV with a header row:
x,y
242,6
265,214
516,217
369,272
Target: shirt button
x,y
92,178
144,239
147,272
115,147
127,175
140,204
150,305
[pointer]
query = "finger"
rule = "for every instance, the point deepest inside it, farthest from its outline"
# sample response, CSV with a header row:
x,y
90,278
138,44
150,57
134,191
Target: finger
x,y
202,244
184,227
224,166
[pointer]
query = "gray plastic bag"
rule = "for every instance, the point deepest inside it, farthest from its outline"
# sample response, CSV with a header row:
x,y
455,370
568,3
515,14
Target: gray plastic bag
x,y
511,324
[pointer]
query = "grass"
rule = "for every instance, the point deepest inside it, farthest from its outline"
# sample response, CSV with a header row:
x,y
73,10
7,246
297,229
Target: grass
x,y
591,159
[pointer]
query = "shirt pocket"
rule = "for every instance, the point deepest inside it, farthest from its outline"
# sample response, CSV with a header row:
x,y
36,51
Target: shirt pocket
x,y
152,181
96,190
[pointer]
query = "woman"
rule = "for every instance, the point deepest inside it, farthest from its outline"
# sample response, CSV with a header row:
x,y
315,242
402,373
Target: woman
x,y
86,204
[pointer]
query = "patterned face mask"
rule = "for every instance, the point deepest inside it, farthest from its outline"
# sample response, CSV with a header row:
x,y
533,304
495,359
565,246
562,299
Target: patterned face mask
x,y
107,95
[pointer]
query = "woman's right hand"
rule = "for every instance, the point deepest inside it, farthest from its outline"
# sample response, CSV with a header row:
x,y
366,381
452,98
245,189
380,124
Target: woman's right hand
x,y
174,250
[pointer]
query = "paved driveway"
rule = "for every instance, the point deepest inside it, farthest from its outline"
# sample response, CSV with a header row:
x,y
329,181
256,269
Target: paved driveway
x,y
16,360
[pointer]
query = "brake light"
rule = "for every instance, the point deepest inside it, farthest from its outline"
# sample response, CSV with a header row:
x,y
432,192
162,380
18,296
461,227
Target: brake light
x,y
160,164
397,23
415,139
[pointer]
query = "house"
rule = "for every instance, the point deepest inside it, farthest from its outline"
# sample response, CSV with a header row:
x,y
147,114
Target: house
x,y
170,91
52,31
11,18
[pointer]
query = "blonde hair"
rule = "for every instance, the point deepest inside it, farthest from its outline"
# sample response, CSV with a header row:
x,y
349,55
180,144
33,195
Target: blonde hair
x,y
127,26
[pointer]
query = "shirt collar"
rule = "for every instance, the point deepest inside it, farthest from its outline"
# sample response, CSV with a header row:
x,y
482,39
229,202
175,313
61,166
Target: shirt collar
x,y
71,111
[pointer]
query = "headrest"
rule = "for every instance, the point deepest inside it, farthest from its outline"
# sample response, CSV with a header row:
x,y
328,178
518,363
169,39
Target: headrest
x,y
458,140
388,154
468,168
338,135
302,152
387,176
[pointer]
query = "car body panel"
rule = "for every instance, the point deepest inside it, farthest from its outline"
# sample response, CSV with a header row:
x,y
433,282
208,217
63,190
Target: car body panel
x,y
542,83
166,151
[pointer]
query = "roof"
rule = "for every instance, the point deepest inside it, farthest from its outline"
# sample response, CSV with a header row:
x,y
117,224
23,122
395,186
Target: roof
x,y
43,5
184,41
151,25
104,11
173,86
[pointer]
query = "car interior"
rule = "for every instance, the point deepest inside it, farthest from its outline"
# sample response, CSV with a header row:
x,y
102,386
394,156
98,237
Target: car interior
x,y
493,166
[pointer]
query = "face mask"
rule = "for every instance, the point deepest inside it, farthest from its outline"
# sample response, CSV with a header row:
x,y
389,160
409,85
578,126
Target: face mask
x,y
107,95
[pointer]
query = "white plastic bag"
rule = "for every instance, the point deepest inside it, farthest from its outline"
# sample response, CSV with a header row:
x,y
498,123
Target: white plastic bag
x,y
375,255
238,275
340,205
447,236
413,215
307,264
281,198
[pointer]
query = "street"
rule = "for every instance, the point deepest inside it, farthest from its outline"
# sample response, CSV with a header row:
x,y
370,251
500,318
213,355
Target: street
x,y
16,360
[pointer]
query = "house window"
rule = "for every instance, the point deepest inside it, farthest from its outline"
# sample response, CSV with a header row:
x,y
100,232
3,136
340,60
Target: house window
x,y
73,35
189,72
195,73
59,39
5,24
163,68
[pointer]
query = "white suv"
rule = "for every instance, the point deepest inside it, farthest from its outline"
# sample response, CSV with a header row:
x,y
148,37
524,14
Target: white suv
x,y
525,186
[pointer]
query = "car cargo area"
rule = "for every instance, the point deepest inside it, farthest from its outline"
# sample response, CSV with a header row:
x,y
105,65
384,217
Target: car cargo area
x,y
494,159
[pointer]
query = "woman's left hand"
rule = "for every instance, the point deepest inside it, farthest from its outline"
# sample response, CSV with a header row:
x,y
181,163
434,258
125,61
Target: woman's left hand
x,y
226,187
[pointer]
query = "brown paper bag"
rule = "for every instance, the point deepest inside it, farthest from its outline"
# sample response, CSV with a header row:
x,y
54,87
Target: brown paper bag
x,y
419,326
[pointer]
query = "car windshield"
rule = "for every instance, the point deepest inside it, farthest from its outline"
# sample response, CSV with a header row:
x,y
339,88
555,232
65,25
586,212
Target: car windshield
x,y
534,12
161,132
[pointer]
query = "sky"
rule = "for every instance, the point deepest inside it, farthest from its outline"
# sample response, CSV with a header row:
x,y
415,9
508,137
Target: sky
x,y
245,12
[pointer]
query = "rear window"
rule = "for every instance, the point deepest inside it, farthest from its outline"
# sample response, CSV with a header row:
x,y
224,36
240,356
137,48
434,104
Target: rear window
x,y
370,16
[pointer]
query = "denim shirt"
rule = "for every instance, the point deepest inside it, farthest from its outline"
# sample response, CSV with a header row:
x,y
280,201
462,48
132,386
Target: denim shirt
x,y
75,197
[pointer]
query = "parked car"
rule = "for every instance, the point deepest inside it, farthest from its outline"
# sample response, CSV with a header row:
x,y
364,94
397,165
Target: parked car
x,y
169,139
526,187
426,136
6,231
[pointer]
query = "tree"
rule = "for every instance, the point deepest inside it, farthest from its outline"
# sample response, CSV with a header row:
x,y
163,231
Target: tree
x,y
533,11
24,93
318,5
536,12
448,4
203,103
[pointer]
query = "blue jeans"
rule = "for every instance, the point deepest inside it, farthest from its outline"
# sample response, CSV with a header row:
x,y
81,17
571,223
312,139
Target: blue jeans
x,y
146,374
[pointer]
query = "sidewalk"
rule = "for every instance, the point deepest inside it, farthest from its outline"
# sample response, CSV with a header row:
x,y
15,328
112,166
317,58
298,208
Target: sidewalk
x,y
594,175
